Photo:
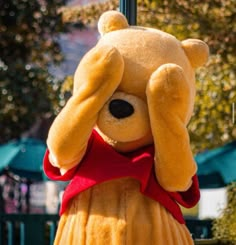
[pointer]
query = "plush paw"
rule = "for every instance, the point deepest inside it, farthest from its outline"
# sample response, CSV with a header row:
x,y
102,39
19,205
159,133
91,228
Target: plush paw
x,y
169,92
100,71
169,100
97,77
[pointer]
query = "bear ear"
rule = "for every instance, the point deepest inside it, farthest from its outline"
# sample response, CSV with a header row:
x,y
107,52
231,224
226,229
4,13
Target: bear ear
x,y
111,21
197,51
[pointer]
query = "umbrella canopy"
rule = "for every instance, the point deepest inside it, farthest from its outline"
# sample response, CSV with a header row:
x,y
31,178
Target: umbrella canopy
x,y
217,167
23,157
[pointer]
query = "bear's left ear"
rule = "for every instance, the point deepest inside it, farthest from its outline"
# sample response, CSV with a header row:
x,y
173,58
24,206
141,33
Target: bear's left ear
x,y
197,51
111,21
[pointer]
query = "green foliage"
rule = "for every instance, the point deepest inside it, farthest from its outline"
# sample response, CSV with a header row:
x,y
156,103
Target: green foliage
x,y
224,228
87,14
212,123
28,45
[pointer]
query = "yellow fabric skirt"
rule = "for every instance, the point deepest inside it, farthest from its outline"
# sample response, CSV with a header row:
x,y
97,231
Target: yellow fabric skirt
x,y
116,213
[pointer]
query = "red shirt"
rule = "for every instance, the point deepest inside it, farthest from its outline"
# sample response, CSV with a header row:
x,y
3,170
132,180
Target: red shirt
x,y
102,163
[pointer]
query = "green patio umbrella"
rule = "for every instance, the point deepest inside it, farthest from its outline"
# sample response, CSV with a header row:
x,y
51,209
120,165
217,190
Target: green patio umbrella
x,y
23,157
217,167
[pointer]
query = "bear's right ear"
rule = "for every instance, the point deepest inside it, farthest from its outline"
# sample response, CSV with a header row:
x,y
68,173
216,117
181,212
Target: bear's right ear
x,y
111,21
196,50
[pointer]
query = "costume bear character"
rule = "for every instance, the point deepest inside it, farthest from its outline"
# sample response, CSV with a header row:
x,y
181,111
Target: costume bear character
x,y
122,139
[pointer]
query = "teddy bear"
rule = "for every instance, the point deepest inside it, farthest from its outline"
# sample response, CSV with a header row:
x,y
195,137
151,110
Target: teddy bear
x,y
122,139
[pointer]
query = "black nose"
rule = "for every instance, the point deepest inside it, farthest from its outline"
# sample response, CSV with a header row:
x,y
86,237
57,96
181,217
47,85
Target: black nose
x,y
120,108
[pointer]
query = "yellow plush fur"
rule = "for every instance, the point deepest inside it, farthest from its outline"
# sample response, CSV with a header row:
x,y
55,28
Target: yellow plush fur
x,y
154,72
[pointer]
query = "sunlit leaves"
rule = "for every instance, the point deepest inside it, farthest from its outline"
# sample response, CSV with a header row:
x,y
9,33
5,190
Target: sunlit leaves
x,y
87,14
212,123
224,227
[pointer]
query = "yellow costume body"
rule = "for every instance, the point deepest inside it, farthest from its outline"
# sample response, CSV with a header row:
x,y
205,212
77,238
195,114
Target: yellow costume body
x,y
120,216
153,73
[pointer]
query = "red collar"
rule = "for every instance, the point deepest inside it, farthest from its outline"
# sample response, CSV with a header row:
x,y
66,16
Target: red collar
x,y
102,163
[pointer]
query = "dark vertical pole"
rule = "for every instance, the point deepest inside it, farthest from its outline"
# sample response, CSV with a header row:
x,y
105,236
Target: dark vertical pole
x,y
2,202
28,197
129,9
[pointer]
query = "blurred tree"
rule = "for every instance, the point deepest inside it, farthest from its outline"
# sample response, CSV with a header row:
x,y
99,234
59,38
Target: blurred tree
x,y
224,227
213,21
28,45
